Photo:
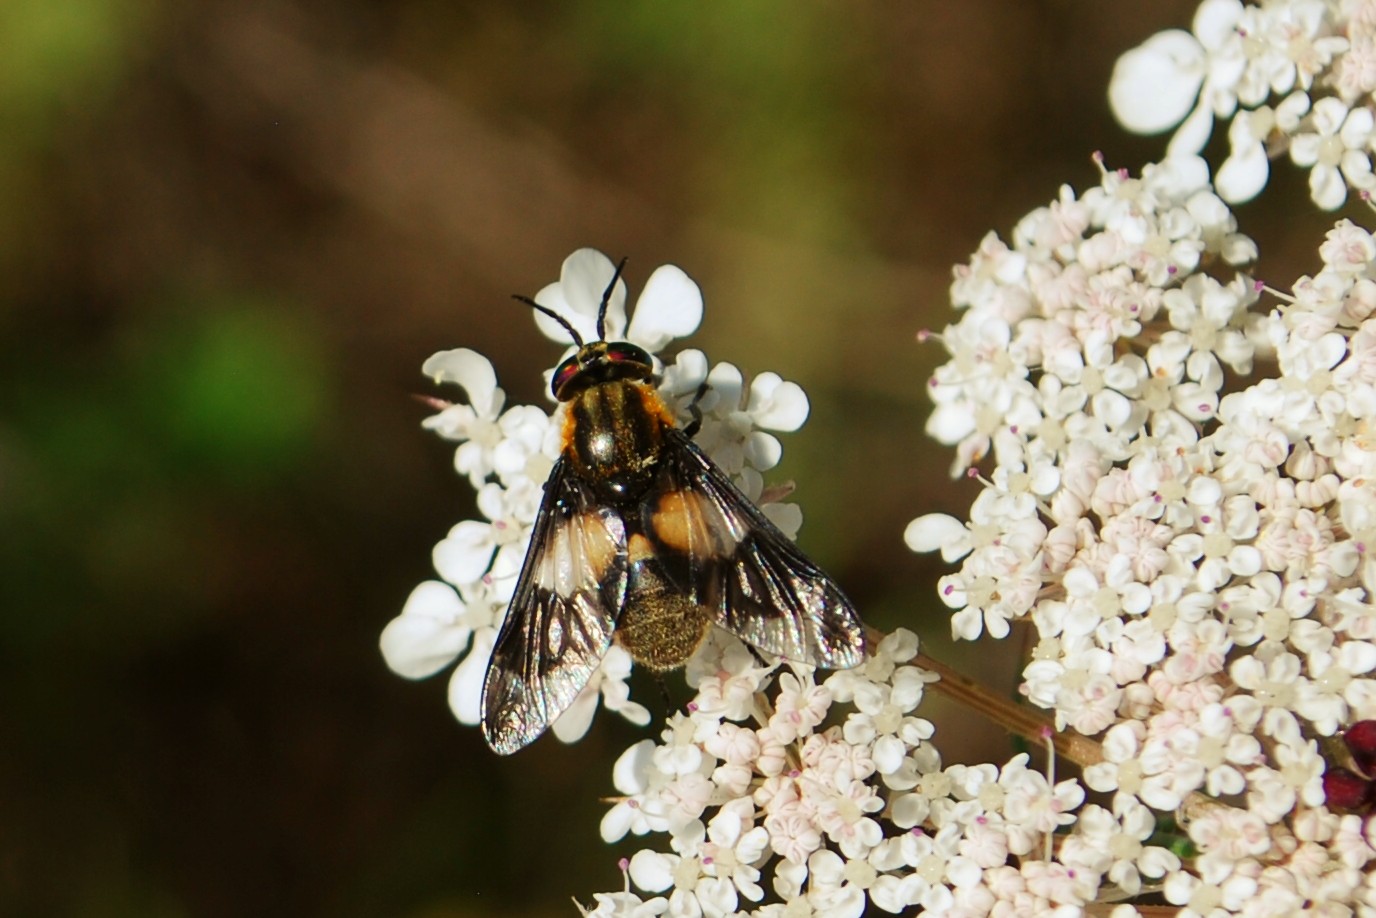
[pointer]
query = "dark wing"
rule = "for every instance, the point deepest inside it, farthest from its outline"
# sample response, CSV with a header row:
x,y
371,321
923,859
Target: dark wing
x,y
560,621
734,561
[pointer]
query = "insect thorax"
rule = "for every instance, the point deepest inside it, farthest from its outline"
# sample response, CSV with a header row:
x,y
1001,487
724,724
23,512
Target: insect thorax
x,y
613,436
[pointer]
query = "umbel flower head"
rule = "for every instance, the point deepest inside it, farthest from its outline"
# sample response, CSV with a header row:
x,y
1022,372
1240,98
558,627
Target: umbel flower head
x,y
507,454
1180,506
1287,77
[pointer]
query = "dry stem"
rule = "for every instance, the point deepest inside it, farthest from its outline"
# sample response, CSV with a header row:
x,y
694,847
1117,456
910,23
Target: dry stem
x,y
1016,718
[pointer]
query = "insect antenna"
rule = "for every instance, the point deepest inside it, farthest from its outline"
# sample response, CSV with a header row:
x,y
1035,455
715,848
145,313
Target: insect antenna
x,y
606,297
573,333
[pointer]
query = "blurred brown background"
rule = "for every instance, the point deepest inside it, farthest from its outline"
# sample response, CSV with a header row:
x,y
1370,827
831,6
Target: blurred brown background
x,y
229,234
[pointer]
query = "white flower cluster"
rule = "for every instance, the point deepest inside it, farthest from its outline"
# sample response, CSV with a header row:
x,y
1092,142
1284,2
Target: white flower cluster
x,y
1182,505
507,455
1292,76
757,795
1193,556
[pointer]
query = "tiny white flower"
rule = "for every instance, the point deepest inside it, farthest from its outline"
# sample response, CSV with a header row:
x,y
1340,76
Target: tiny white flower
x,y
1154,86
608,682
636,778
624,904
1336,151
1245,171
429,633
734,422
669,307
475,425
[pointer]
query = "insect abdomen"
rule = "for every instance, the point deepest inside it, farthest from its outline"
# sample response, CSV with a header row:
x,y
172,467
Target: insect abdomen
x,y
614,434
660,626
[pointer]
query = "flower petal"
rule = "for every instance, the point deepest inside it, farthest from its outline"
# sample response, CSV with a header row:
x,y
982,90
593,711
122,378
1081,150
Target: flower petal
x,y
934,531
632,766
466,685
652,871
726,383
788,518
470,370
763,450
669,307
578,296
686,373
1244,173
464,555
571,725
428,634
1154,85
776,404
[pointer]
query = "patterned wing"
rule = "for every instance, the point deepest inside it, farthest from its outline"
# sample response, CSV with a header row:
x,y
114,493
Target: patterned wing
x,y
561,617
734,561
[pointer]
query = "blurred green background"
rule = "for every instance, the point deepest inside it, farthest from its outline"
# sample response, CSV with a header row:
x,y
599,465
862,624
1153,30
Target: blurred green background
x,y
229,234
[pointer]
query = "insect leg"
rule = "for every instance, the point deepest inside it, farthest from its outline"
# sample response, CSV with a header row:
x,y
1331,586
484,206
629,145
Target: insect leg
x,y
759,658
696,423
669,706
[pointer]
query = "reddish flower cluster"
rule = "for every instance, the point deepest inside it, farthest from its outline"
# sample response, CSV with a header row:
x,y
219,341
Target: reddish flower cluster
x,y
1348,789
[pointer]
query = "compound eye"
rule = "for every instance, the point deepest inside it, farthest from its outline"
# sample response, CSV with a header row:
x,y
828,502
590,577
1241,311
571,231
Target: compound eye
x,y
563,373
626,352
